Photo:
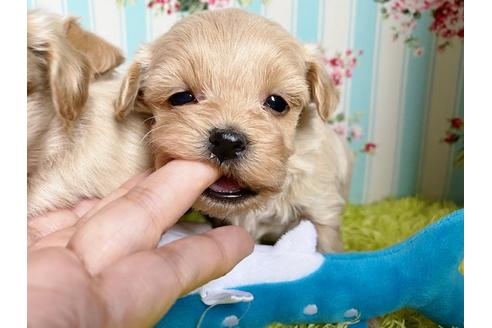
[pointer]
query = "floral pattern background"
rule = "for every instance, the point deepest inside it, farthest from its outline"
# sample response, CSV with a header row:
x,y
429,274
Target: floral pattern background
x,y
447,20
398,65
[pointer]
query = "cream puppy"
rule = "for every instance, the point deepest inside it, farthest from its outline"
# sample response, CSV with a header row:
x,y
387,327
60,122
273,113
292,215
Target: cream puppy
x,y
237,90
75,147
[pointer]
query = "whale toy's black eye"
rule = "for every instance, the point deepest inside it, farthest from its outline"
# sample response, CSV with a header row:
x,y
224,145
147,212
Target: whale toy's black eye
x,y
182,98
276,103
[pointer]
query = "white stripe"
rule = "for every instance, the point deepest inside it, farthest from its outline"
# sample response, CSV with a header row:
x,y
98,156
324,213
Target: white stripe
x,y
370,118
280,11
337,24
385,114
293,17
124,45
442,104
425,123
351,37
107,22
64,7
336,35
401,115
91,15
161,23
54,6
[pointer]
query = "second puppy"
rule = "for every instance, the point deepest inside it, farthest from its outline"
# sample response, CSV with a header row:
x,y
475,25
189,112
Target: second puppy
x,y
76,148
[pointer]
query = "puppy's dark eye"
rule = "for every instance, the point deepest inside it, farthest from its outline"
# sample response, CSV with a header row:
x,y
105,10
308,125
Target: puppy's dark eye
x,y
181,98
276,103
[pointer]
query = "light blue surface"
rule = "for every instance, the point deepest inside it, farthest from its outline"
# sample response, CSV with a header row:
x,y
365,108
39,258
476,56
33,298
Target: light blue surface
x,y
80,9
255,6
362,86
414,110
137,33
420,273
307,20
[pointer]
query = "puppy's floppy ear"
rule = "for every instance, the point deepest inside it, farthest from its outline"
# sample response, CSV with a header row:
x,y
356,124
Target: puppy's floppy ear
x,y
322,90
125,103
69,74
101,55
129,98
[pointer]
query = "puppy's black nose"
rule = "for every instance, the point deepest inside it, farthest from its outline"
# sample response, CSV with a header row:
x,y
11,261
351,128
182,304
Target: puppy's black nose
x,y
226,144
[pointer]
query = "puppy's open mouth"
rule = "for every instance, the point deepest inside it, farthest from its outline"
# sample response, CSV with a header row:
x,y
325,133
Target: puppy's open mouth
x,y
228,190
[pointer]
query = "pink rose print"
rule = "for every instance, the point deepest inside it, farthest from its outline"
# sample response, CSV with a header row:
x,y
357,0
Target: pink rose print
x,y
349,129
341,129
356,132
166,6
447,24
369,148
174,6
455,133
341,66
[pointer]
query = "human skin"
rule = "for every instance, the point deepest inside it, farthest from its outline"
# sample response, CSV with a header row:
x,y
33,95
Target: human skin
x,y
97,266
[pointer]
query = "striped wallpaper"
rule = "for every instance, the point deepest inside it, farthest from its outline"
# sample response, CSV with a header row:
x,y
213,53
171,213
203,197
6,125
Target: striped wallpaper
x,y
405,100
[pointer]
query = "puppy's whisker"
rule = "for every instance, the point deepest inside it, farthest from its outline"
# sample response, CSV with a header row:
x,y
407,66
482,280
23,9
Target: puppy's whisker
x,y
151,131
145,136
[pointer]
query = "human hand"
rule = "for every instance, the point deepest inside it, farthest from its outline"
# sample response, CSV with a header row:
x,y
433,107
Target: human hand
x,y
103,269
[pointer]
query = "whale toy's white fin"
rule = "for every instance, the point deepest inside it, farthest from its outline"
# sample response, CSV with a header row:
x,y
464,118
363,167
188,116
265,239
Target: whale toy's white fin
x,y
301,239
293,257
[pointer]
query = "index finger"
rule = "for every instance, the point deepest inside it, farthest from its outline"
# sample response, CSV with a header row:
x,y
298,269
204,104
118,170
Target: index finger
x,y
136,220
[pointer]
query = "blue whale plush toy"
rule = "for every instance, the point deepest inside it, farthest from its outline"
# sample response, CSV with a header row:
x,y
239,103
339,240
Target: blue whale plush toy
x,y
291,283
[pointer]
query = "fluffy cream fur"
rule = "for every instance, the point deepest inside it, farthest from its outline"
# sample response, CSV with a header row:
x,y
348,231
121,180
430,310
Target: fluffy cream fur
x,y
231,61
76,148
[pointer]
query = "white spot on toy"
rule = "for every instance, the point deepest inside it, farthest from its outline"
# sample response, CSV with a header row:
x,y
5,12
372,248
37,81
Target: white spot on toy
x,y
351,313
228,296
230,321
310,309
293,257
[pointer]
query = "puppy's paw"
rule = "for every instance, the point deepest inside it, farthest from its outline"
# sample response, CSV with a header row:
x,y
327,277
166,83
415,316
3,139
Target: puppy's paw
x,y
329,239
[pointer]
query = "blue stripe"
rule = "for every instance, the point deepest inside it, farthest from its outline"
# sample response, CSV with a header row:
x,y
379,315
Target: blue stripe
x,y
255,7
80,8
361,89
307,21
456,188
414,112
136,28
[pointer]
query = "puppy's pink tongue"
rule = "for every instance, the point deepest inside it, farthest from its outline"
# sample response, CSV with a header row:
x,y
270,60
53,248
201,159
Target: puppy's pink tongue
x,y
225,185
